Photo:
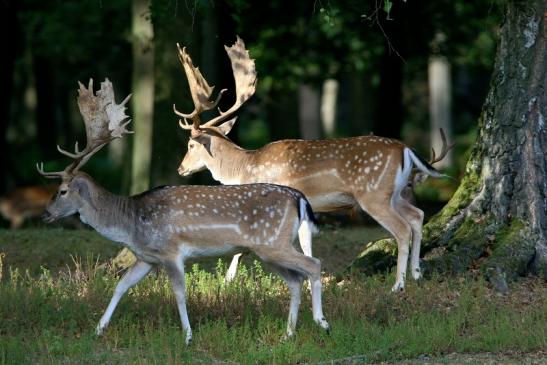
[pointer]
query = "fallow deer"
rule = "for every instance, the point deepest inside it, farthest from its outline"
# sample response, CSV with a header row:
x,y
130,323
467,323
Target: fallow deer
x,y
334,174
25,202
169,225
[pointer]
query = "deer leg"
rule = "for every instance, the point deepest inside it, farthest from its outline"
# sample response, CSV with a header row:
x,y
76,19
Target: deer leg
x,y
305,232
231,273
294,261
305,237
132,277
294,282
415,217
394,223
175,270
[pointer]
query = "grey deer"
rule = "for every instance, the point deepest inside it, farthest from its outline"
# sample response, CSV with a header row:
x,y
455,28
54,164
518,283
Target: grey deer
x,y
169,225
369,172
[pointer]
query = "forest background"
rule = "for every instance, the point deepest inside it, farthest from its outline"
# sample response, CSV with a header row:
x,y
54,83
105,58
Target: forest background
x,y
326,69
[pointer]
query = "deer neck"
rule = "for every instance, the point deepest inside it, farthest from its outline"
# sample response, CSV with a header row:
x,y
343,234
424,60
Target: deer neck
x,y
109,214
228,162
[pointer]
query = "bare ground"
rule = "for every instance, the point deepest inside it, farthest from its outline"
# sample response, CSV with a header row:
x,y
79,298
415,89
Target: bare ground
x,y
483,358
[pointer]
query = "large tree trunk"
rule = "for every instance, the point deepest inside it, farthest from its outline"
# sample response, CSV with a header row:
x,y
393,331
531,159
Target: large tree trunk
x,y
497,219
143,94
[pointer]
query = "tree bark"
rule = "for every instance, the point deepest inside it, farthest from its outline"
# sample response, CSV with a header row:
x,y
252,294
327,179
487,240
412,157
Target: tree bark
x,y
497,219
143,95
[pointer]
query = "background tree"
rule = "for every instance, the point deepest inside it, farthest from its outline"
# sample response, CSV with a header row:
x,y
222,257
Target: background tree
x,y
142,101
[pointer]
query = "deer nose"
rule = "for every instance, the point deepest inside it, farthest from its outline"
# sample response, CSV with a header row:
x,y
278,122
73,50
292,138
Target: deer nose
x,y
47,217
181,170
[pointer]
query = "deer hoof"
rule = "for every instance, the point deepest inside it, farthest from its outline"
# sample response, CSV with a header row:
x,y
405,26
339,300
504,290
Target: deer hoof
x,y
398,287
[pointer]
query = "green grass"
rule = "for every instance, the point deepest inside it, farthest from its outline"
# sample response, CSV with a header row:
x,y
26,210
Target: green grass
x,y
49,317
53,249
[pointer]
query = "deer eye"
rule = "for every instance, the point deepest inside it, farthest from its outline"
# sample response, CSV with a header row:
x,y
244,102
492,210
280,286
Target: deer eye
x,y
191,146
63,192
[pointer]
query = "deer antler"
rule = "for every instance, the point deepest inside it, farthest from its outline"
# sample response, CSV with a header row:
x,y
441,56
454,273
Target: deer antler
x,y
104,121
444,149
199,88
244,71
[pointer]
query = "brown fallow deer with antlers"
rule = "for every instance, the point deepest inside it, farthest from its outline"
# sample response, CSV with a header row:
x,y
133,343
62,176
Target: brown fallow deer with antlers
x,y
334,174
168,225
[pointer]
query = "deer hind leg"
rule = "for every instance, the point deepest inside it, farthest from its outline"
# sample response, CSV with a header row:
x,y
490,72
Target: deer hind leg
x,y
415,217
293,261
305,232
384,213
135,274
294,281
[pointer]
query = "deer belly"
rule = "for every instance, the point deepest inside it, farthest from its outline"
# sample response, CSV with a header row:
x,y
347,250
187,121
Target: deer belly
x,y
192,252
328,202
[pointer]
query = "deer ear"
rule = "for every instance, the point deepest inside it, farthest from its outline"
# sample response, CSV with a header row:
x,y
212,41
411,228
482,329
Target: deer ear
x,y
82,187
205,140
226,127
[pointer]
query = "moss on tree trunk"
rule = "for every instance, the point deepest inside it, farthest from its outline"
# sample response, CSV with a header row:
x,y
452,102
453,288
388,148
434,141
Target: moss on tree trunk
x,y
497,219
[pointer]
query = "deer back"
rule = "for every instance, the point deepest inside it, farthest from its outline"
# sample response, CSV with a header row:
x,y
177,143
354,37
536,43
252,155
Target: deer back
x,y
240,215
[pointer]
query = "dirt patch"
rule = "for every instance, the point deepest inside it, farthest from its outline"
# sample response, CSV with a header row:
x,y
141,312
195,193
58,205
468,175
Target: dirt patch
x,y
484,358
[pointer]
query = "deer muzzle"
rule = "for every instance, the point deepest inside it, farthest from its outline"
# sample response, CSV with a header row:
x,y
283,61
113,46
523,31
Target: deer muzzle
x,y
182,171
47,217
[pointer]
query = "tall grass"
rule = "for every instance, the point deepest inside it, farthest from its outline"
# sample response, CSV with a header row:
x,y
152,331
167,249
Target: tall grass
x,y
49,318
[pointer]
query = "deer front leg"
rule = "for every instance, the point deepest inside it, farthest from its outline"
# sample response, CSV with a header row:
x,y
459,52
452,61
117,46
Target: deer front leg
x,y
175,270
231,273
132,277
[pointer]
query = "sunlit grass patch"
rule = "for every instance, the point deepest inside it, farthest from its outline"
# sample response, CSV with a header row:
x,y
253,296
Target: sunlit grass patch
x,y
51,318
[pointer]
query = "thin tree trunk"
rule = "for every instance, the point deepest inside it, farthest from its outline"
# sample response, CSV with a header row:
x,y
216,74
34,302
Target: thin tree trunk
x,y
440,104
329,97
142,103
308,112
143,94
497,219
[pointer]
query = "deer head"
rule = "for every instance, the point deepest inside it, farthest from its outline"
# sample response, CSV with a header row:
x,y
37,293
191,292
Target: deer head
x,y
104,121
201,143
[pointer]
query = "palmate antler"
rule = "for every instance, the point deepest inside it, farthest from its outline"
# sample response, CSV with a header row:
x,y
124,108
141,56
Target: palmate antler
x,y
244,71
104,121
